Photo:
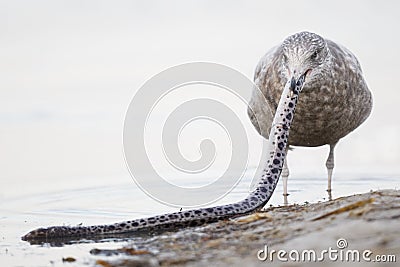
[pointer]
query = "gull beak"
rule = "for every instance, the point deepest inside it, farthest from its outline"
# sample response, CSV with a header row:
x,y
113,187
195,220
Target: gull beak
x,y
296,85
292,83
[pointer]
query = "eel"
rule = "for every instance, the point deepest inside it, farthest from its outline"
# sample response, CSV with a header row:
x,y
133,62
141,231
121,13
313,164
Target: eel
x,y
256,200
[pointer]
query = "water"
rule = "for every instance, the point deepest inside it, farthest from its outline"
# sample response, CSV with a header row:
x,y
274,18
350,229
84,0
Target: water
x,y
107,204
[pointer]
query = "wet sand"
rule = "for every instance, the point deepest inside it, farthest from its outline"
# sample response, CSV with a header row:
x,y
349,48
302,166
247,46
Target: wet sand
x,y
368,223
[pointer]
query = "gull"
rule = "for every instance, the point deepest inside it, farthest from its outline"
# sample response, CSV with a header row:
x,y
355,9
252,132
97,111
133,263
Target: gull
x,y
335,100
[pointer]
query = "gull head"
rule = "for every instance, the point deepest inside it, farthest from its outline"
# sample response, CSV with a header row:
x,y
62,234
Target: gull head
x,y
304,54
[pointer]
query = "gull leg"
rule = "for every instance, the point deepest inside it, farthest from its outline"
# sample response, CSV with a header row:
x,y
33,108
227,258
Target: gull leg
x,y
330,164
285,175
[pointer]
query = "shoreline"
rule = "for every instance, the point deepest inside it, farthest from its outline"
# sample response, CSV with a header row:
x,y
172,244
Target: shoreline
x,y
368,221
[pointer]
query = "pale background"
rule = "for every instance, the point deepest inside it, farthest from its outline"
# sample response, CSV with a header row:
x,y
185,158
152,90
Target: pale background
x,y
68,70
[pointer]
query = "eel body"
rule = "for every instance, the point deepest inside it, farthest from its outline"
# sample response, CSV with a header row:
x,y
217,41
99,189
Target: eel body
x,y
278,141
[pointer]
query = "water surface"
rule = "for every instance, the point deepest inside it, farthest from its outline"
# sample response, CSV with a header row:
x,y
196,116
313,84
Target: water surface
x,y
107,204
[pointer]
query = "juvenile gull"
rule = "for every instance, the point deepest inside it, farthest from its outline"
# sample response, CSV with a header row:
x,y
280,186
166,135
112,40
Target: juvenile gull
x,y
335,100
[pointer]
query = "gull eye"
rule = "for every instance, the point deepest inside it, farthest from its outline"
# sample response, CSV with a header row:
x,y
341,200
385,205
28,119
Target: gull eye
x,y
314,55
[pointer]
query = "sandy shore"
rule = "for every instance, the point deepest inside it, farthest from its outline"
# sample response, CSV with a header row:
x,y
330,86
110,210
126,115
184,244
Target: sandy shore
x,y
365,225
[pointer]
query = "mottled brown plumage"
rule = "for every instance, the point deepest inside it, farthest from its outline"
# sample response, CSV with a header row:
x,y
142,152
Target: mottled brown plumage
x,y
335,98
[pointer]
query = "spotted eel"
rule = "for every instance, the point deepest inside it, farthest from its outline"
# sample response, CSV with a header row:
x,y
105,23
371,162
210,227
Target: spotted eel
x,y
278,140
